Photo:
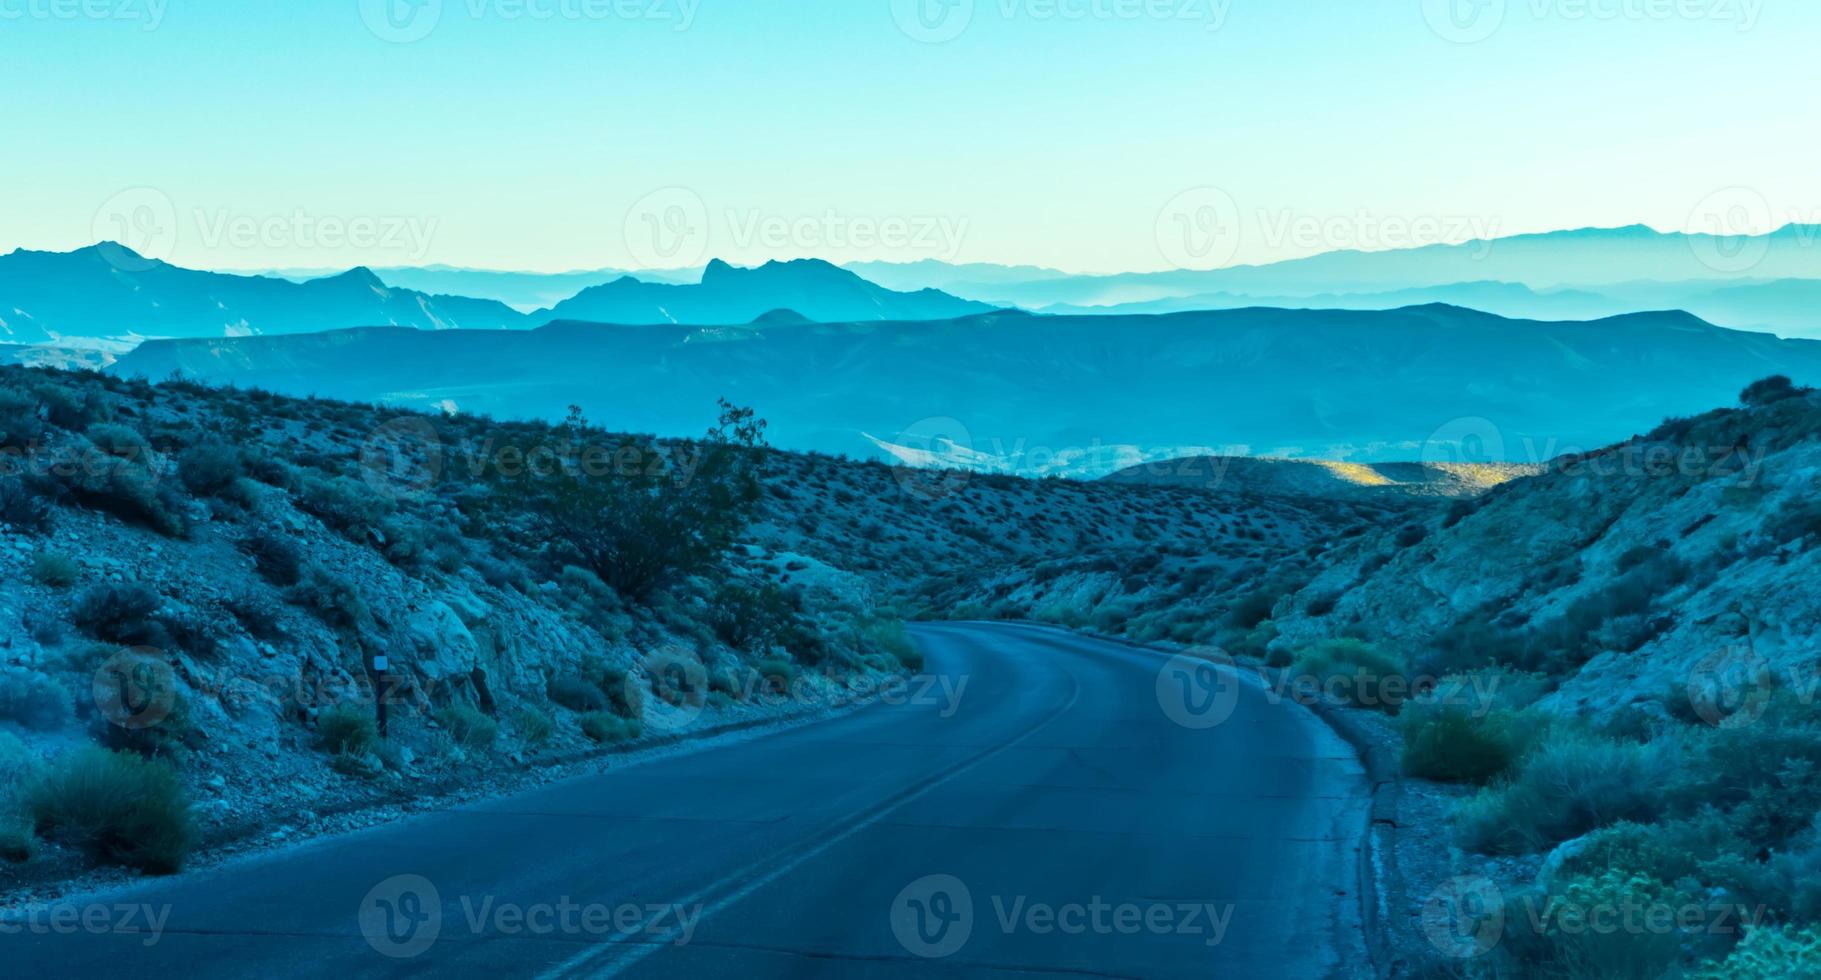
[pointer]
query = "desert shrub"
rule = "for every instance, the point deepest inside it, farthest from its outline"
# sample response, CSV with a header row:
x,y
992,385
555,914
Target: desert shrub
x,y
32,700
576,694
1455,744
1769,953
347,729
122,488
121,441
417,544
116,807
470,727
256,614
777,677
1764,774
1568,932
209,469
20,426
25,505
277,557
1769,391
332,598
343,504
55,570
1670,851
1356,671
73,410
608,728
535,727
170,739
641,527
119,612
1571,785
1797,519
190,631
887,636
753,618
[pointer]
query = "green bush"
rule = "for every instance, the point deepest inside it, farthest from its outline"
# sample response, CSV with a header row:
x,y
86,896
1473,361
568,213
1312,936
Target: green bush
x,y
1572,784
119,612
608,728
25,505
121,441
116,807
470,727
54,570
777,677
1594,928
1770,953
576,694
332,598
209,469
887,636
345,505
74,410
276,556
122,488
347,729
20,426
535,727
1357,671
32,700
1456,744
256,614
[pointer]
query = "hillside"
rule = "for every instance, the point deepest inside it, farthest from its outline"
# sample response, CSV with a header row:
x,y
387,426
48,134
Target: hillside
x,y
239,560
1323,478
1071,395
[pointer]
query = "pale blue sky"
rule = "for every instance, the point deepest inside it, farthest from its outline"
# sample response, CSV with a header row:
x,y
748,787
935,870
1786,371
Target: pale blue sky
x,y
267,134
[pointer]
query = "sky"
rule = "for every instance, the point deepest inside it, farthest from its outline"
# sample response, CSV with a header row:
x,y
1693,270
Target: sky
x,y
1087,135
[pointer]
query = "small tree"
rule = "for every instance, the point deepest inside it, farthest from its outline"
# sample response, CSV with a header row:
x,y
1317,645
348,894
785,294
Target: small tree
x,y
637,513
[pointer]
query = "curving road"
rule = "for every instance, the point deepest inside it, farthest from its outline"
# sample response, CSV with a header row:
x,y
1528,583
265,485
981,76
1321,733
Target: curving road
x,y
1052,807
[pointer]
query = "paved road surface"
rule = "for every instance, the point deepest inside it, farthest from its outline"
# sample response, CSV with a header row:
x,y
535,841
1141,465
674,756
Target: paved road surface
x,y
1074,812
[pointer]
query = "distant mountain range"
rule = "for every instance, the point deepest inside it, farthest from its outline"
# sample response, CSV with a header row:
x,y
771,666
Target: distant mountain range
x,y
108,292
526,292
1769,282
1075,395
727,295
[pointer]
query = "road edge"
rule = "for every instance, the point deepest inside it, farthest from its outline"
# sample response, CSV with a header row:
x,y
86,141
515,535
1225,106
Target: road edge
x,y
1381,887
243,840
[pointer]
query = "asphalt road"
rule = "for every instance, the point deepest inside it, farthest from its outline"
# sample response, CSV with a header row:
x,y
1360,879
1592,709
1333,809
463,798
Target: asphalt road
x,y
1079,809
